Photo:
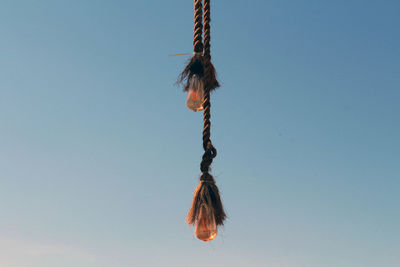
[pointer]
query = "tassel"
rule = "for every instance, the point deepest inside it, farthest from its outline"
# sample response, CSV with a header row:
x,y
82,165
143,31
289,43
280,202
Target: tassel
x,y
195,68
204,71
206,194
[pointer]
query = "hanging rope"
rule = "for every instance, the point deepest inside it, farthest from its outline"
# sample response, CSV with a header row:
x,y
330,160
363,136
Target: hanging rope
x,y
195,67
209,151
206,193
198,27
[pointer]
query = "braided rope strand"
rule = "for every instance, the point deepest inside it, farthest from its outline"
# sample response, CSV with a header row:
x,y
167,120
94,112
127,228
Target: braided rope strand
x,y
207,32
198,27
209,150
207,192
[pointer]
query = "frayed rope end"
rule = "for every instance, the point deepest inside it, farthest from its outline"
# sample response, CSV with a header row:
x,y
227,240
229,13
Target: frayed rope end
x,y
194,67
206,193
203,69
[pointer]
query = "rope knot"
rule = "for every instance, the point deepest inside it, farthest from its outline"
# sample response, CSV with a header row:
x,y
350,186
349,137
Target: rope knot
x,y
206,177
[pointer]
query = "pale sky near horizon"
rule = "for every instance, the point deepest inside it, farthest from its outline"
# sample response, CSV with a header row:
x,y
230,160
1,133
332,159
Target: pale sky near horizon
x,y
99,156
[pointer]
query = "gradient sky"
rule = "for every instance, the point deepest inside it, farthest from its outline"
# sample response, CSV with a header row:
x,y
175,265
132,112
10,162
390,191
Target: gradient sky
x,y
99,156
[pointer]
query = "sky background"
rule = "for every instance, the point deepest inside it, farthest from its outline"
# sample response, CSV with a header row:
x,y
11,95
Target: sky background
x,y
99,156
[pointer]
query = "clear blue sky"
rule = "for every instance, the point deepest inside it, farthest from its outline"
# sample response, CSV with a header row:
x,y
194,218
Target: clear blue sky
x,y
99,156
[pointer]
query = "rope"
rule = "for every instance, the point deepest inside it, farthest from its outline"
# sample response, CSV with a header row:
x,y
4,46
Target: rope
x,y
207,36
198,27
207,192
209,150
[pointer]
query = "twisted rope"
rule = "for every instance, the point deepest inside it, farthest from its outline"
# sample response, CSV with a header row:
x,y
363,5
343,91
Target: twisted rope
x,y
207,32
207,192
209,150
198,27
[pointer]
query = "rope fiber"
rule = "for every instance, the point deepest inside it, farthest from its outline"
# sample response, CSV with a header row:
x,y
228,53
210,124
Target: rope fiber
x,y
207,192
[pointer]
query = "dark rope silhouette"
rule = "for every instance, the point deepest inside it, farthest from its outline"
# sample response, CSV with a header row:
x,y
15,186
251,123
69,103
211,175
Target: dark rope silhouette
x,y
198,27
206,196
